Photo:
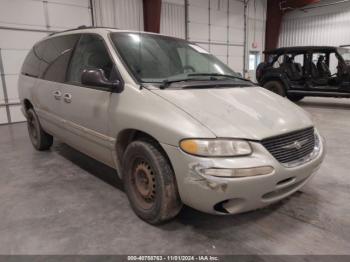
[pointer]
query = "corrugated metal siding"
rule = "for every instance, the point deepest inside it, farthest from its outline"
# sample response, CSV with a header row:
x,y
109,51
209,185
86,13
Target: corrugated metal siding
x,y
317,27
123,14
218,25
172,21
22,24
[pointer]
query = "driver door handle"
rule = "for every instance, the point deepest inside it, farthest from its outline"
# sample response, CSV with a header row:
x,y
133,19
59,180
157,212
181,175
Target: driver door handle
x,y
67,98
57,94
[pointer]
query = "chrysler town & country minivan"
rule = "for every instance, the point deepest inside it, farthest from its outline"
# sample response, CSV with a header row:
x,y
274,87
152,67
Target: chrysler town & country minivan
x,y
178,125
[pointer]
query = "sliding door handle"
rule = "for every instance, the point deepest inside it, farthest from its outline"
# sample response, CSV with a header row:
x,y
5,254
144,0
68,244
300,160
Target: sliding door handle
x,y
57,94
67,98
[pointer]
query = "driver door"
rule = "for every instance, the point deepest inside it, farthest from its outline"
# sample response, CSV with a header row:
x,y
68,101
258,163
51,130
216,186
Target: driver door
x,y
85,109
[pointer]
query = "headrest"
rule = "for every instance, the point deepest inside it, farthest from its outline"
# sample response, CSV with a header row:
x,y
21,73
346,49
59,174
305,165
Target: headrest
x,y
320,58
287,59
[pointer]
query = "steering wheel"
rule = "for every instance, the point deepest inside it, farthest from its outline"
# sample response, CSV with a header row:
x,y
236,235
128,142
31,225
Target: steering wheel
x,y
189,67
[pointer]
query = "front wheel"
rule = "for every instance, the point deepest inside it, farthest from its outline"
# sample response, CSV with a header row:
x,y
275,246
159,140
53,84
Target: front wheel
x,y
276,87
149,182
39,138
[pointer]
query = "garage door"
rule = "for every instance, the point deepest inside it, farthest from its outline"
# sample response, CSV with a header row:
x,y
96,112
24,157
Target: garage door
x,y
218,26
23,22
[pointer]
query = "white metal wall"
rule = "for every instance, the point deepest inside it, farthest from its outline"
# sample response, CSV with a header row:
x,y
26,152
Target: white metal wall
x,y
172,21
218,26
318,26
22,23
122,14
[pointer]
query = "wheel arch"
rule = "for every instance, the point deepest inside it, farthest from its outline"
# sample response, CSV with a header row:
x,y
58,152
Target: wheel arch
x,y
27,104
127,136
278,78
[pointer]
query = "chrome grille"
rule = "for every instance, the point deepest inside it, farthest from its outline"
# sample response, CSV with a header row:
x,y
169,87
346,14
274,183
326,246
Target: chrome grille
x,y
292,146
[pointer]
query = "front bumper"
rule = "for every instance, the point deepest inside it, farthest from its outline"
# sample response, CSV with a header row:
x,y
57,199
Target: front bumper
x,y
235,195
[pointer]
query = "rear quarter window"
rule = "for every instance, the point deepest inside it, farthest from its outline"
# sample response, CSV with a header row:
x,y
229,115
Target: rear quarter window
x,y
49,59
31,65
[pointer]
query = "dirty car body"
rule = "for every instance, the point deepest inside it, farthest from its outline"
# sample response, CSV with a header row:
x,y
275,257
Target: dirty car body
x,y
232,146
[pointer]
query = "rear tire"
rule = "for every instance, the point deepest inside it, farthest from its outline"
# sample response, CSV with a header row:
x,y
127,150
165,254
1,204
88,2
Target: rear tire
x,y
39,138
276,87
149,182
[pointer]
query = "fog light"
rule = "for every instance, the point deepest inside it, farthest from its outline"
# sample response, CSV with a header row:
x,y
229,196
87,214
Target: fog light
x,y
238,172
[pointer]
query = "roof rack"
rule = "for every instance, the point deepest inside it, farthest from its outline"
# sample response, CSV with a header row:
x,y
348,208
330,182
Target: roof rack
x,y
79,28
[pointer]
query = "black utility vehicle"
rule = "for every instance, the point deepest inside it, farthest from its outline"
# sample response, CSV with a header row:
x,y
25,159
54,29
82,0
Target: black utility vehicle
x,y
302,71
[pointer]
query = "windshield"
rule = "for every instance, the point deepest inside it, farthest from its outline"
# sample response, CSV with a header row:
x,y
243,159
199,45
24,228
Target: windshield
x,y
345,53
156,58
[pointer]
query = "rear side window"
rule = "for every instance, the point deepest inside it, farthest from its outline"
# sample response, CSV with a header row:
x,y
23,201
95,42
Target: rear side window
x,y
56,57
49,59
90,53
31,65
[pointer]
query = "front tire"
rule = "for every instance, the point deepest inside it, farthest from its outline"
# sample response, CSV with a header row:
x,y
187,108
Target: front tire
x,y
39,138
149,182
276,87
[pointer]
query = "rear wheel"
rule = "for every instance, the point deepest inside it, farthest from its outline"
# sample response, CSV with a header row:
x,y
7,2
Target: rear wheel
x,y
276,87
39,138
150,183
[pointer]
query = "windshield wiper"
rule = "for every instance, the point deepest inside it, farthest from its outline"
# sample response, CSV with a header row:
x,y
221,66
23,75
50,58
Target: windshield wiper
x,y
213,77
167,82
222,75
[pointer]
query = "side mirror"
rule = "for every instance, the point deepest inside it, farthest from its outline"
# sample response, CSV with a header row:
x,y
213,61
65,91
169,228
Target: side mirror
x,y
97,77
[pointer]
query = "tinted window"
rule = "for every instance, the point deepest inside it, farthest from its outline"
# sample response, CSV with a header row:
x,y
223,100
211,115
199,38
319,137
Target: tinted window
x,y
49,59
56,57
91,53
31,65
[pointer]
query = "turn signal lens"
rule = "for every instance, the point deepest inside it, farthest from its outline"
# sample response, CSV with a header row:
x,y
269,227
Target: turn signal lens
x,y
215,147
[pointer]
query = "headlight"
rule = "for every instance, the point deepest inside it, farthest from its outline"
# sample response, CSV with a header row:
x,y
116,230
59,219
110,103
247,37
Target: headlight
x,y
216,147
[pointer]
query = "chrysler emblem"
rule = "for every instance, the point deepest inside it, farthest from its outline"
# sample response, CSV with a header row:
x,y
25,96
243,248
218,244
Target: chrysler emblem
x,y
298,144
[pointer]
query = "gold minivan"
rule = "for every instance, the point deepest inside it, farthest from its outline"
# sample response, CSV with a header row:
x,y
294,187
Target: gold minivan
x,y
178,125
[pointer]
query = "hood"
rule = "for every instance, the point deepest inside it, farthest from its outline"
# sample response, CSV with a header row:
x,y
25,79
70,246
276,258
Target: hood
x,y
250,112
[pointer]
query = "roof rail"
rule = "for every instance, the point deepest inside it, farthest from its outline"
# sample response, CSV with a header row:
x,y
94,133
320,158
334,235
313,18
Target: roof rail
x,y
78,28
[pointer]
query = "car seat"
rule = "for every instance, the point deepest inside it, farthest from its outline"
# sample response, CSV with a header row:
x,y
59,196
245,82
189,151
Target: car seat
x,y
314,72
322,67
293,70
317,78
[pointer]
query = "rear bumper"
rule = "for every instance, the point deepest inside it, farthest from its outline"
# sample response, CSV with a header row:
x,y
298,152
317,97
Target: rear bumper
x,y
235,195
